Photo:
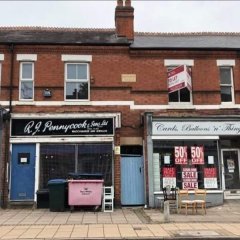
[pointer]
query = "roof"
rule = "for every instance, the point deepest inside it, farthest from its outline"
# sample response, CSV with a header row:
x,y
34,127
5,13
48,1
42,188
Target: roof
x,y
83,36
42,35
186,41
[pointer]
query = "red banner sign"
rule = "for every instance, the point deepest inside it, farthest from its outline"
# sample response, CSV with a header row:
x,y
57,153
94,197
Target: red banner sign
x,y
169,172
210,172
197,154
180,153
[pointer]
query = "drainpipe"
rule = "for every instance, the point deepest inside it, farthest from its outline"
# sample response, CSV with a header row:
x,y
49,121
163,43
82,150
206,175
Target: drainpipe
x,y
11,48
6,128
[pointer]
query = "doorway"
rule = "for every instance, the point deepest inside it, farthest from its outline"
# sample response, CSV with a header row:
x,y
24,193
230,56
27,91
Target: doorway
x,y
132,180
22,172
231,176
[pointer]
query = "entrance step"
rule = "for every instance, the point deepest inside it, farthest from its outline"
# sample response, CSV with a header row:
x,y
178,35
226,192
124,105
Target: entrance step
x,y
22,205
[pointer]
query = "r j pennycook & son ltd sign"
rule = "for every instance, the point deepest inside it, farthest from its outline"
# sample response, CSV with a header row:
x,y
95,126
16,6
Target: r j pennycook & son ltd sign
x,y
62,127
177,128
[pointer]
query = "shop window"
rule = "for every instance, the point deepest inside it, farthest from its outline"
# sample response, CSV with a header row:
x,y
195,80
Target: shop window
x,y
186,164
76,81
26,80
226,84
183,95
58,160
96,159
0,75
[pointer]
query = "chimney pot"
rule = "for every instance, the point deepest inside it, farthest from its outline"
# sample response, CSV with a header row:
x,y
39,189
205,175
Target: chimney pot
x,y
128,3
124,16
119,3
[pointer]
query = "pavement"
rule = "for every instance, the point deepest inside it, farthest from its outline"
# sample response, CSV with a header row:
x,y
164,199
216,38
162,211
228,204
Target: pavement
x,y
220,222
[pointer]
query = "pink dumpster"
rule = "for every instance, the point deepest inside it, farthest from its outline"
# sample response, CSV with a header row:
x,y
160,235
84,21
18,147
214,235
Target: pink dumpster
x,y
84,192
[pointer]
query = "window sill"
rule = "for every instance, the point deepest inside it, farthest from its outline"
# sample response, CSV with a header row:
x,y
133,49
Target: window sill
x,y
180,106
228,105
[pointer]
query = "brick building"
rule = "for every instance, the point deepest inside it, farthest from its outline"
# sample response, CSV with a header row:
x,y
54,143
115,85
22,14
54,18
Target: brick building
x,y
142,109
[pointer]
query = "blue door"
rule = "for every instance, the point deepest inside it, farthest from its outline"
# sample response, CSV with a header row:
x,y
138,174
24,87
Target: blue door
x,y
22,172
132,181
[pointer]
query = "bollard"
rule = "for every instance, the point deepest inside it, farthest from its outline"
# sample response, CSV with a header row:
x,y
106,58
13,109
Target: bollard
x,y
166,211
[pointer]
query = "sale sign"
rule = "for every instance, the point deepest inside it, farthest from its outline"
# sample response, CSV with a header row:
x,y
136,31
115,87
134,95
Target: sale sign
x,y
210,172
210,177
180,153
169,176
169,172
179,78
197,154
189,178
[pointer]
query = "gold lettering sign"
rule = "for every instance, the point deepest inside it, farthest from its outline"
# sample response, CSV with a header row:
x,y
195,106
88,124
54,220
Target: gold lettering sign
x,y
129,78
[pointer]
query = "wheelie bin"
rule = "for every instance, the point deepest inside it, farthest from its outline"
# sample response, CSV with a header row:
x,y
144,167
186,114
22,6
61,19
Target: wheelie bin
x,y
85,189
57,196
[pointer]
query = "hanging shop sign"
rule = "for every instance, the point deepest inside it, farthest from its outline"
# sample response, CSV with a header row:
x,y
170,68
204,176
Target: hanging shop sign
x,y
210,177
179,78
195,128
169,176
189,178
62,127
197,154
180,153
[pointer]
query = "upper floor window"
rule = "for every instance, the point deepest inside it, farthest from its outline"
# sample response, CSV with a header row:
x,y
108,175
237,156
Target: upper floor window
x,y
226,79
26,80
77,81
1,59
179,80
182,92
226,84
26,76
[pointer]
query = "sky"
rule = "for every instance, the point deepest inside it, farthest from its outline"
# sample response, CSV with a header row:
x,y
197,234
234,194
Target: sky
x,y
149,16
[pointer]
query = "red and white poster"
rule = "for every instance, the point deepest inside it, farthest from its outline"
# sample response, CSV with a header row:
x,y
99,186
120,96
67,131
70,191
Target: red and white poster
x,y
180,154
169,176
189,178
210,177
179,78
197,154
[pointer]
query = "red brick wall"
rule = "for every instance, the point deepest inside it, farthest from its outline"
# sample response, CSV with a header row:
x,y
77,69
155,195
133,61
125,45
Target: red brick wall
x,y
105,69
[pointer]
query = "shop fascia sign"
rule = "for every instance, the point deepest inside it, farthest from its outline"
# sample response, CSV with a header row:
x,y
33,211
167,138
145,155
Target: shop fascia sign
x,y
213,128
62,127
179,78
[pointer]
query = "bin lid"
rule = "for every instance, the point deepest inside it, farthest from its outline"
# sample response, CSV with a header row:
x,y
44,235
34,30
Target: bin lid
x,y
56,181
85,181
85,175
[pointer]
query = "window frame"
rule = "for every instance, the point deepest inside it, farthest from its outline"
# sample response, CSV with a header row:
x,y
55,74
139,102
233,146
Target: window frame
x,y
231,85
169,68
66,80
21,79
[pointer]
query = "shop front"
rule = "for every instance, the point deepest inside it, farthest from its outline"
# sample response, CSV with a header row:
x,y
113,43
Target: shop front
x,y
44,148
194,153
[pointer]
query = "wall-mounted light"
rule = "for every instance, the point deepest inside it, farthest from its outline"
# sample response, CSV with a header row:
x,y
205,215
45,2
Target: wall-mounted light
x,y
47,93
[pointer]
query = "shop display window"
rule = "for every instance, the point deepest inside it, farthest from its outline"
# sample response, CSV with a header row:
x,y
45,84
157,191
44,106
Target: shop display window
x,y
186,164
58,160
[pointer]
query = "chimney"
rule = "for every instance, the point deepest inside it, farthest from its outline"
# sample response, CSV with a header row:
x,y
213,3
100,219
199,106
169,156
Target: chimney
x,y
124,16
